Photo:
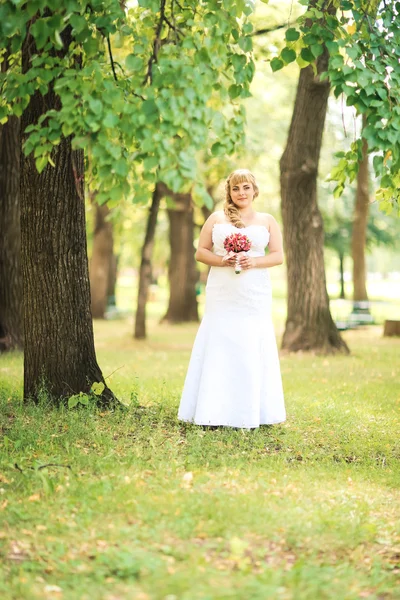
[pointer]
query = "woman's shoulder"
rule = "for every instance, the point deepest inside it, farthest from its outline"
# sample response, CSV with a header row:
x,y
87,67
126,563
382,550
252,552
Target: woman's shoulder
x,y
217,217
264,219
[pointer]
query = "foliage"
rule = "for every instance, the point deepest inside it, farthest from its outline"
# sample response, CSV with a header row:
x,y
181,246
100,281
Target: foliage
x,y
363,41
382,230
84,399
142,118
133,504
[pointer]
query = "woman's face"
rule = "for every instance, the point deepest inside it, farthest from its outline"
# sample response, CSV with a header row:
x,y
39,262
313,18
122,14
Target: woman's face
x,y
242,194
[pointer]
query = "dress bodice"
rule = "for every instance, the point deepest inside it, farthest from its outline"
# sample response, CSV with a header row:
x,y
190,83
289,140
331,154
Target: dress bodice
x,y
257,234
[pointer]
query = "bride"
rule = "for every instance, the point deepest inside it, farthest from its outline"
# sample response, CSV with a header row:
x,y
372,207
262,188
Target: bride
x,y
234,377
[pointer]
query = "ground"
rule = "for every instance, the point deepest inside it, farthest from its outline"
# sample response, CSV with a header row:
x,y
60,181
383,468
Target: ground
x,y
134,504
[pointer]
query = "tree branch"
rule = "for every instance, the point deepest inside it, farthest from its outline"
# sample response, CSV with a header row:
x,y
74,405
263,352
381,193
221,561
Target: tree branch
x,y
271,29
111,57
156,44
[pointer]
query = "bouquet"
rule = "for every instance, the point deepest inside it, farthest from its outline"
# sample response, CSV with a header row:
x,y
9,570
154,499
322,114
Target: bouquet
x,y
235,243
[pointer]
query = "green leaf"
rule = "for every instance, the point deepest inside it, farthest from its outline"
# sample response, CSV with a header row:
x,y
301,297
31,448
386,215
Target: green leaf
x,y
133,62
288,55
317,50
111,120
98,388
307,55
246,43
276,64
217,149
96,105
41,162
73,401
292,35
234,91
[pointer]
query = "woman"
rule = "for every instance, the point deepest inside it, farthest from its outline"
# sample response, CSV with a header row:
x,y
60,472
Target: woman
x,y
234,375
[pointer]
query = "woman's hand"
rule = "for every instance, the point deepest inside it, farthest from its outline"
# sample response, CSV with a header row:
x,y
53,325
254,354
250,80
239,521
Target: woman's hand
x,y
229,261
246,261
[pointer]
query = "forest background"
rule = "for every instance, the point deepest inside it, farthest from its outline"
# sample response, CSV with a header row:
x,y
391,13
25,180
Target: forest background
x,y
121,500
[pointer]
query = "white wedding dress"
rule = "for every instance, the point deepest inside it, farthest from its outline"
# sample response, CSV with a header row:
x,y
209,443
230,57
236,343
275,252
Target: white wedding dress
x,y
234,376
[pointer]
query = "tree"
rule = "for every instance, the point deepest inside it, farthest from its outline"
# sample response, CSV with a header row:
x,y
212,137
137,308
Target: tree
x,y
145,272
182,271
318,45
149,114
102,261
309,325
59,346
11,323
359,233
363,41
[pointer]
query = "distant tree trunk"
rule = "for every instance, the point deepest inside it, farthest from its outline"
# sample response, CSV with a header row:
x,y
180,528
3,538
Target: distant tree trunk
x,y
309,325
341,263
360,221
145,265
11,319
59,345
182,271
101,262
112,280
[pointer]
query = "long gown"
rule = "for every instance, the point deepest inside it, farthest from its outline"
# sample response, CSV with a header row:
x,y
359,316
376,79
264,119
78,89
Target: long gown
x,y
234,376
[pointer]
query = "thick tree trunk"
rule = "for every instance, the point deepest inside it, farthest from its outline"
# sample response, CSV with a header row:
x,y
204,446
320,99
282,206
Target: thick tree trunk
x,y
59,345
101,263
360,221
309,324
145,265
182,272
341,267
11,320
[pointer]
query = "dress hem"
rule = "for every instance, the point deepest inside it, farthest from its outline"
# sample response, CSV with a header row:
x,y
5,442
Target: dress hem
x,y
230,425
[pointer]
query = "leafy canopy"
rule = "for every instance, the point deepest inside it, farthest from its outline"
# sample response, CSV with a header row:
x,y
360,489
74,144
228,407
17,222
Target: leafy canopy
x,y
363,41
142,88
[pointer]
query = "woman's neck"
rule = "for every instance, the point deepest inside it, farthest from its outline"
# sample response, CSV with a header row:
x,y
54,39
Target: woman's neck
x,y
247,214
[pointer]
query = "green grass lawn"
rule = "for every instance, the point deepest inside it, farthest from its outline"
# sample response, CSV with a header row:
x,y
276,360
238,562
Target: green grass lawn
x,y
142,507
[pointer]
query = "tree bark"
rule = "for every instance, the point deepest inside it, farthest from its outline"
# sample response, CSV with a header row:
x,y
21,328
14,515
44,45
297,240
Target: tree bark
x,y
360,221
145,272
182,272
309,325
11,320
59,344
341,266
101,263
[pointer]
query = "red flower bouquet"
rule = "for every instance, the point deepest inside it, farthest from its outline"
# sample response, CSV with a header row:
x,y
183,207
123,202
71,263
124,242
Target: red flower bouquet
x,y
235,243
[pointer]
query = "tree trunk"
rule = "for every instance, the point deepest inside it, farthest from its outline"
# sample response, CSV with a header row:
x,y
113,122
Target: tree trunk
x,y
145,265
182,272
112,281
341,266
101,263
360,221
309,325
59,345
11,322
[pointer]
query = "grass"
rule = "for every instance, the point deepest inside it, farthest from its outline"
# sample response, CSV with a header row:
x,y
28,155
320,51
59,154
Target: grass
x,y
133,504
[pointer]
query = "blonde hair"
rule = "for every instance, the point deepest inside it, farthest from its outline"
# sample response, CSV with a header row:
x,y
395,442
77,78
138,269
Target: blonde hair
x,y
230,209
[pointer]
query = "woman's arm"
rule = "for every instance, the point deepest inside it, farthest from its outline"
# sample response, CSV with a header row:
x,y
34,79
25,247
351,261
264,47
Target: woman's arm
x,y
204,252
275,254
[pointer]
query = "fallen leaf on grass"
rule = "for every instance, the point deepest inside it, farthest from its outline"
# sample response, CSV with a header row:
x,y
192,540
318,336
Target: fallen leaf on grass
x,y
54,589
34,498
187,478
